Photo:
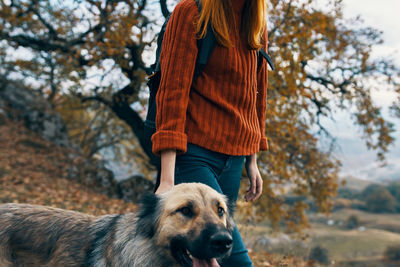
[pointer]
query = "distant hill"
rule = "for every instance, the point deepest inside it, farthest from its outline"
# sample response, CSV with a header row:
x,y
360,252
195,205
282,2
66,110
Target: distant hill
x,y
355,183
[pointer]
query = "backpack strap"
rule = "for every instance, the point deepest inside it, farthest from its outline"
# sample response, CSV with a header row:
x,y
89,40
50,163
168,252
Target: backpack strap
x,y
156,66
262,54
205,47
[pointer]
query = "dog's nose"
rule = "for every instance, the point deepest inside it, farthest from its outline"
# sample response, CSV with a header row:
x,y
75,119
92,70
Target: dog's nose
x,y
221,242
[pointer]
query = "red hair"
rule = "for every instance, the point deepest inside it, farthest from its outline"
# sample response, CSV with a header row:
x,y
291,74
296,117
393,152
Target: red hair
x,y
220,14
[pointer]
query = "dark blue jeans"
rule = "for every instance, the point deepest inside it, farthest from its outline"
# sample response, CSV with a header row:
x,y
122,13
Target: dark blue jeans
x,y
221,172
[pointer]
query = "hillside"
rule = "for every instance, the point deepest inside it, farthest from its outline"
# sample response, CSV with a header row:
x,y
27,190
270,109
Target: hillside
x,y
33,170
355,183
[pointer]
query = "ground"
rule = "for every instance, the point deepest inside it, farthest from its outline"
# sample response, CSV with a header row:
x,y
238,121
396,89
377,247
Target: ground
x,y
35,171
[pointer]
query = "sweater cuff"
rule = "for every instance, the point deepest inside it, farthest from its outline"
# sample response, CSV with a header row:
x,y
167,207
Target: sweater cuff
x,y
163,140
264,143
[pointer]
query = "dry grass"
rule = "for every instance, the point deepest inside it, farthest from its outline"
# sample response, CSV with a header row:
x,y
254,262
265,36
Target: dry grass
x,y
261,259
344,245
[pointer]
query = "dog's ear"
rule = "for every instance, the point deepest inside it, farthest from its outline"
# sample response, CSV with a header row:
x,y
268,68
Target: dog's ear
x,y
148,215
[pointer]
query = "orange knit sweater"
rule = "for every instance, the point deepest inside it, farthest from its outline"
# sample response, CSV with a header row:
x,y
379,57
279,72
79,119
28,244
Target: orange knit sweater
x,y
224,108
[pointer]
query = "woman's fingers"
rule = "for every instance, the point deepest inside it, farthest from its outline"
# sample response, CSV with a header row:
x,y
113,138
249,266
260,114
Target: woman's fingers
x,y
259,187
255,189
251,190
253,185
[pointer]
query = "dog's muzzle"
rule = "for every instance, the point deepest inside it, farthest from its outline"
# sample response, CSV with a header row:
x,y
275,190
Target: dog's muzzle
x,y
213,243
220,244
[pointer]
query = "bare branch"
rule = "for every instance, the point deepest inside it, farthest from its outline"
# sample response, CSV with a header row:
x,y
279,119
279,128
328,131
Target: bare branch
x,y
164,8
94,98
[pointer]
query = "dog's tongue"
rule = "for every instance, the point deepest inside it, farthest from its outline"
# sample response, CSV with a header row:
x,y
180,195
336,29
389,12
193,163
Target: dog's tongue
x,y
205,263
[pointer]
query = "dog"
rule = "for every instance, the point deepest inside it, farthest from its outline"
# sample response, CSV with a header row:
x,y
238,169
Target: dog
x,y
190,225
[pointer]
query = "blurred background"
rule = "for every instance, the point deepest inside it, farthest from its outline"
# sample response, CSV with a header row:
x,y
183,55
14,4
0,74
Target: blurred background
x,y
73,98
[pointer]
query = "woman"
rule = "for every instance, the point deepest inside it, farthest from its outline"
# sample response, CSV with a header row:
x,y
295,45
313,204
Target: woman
x,y
207,130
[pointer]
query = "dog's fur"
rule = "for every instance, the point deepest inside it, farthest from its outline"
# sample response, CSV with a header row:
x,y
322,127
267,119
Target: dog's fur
x,y
165,228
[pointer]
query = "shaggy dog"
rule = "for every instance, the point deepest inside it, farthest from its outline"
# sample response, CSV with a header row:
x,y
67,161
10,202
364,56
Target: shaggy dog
x,y
190,225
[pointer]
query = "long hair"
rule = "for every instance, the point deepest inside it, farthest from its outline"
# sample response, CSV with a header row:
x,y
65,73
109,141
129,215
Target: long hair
x,y
220,14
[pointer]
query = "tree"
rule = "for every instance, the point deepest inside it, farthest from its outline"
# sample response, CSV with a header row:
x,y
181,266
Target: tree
x,y
320,255
352,222
392,253
394,189
70,40
372,189
379,200
94,51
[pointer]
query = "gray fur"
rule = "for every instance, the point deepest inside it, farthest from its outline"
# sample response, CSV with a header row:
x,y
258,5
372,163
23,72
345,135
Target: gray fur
x,y
33,235
122,245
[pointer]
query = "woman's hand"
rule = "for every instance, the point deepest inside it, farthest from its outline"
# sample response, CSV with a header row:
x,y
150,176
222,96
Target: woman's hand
x,y
256,183
168,158
163,187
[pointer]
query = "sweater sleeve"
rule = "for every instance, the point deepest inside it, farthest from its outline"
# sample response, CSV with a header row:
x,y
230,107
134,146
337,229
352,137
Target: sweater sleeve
x,y
177,60
262,84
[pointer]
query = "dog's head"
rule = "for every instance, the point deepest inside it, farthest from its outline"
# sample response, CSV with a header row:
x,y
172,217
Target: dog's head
x,y
192,221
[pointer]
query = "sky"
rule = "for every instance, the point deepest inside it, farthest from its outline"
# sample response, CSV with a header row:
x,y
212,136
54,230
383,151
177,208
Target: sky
x,y
356,159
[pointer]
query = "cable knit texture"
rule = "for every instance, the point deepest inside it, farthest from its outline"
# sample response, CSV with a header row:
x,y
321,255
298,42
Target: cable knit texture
x,y
224,109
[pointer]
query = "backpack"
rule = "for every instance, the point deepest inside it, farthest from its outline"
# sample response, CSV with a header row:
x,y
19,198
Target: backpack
x,y
205,49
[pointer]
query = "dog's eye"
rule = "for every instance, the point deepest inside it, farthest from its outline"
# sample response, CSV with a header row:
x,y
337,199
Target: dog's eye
x,y
186,211
221,211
